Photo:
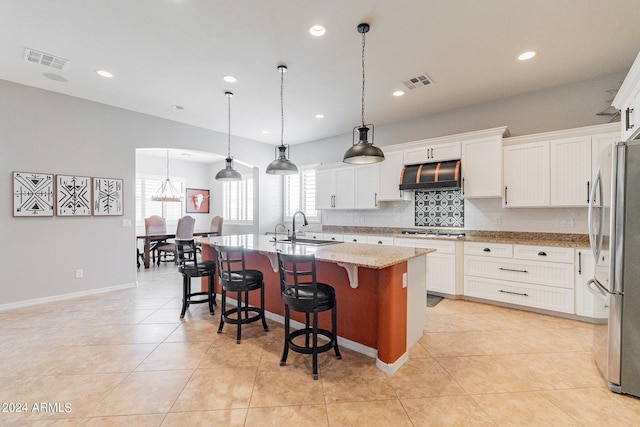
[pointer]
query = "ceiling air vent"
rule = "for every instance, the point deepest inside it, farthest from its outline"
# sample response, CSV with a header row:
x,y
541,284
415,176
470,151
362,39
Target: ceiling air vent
x,y
418,81
45,59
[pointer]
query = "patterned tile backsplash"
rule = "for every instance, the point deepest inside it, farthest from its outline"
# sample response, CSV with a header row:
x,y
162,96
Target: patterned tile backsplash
x,y
443,208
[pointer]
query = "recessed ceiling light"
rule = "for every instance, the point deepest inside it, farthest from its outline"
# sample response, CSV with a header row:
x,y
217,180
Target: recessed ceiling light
x,y
177,107
104,73
229,79
317,30
265,131
527,55
398,93
56,77
319,116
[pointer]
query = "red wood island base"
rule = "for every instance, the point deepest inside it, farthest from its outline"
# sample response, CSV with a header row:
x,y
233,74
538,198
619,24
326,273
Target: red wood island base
x,y
382,316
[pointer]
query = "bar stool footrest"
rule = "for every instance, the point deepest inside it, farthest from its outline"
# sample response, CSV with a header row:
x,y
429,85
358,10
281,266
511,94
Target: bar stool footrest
x,y
234,321
309,349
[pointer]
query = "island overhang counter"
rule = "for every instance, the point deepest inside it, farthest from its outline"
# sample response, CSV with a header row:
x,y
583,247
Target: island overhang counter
x,y
380,290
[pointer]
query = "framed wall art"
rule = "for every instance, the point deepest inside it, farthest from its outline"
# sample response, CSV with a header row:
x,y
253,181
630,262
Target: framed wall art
x,y
33,194
197,200
108,197
73,195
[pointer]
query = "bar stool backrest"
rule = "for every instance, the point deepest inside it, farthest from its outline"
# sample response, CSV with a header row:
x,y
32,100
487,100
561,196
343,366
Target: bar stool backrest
x,y
298,284
231,266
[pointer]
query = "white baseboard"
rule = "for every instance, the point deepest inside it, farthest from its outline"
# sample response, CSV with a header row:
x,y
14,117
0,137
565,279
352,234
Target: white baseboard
x,y
390,368
63,297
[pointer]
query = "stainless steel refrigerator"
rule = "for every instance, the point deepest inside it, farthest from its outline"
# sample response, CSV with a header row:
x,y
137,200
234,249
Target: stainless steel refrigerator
x,y
614,233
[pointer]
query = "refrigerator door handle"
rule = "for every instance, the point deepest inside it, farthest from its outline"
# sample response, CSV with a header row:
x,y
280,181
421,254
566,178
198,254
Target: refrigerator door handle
x,y
597,290
595,236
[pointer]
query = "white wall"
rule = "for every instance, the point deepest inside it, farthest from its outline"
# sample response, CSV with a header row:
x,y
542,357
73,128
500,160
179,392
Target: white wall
x,y
42,131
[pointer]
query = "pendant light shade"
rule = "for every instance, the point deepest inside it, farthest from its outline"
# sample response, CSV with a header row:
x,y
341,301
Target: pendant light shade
x,y
364,151
229,173
281,165
167,191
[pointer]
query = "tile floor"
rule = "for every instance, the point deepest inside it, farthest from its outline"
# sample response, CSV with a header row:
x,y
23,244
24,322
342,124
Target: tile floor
x,y
125,358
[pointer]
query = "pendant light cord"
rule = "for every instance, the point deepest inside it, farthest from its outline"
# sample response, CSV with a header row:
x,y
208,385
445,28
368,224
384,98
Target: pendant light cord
x,y
282,106
167,164
229,124
363,44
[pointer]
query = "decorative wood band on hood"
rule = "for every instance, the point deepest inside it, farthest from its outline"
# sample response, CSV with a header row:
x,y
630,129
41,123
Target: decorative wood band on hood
x,y
431,176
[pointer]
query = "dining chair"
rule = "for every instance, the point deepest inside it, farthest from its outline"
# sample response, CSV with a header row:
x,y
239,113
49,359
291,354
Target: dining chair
x,y
184,231
155,225
216,226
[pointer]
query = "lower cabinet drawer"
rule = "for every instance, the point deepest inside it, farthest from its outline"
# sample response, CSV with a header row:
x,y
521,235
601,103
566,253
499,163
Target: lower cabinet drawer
x,y
525,271
544,297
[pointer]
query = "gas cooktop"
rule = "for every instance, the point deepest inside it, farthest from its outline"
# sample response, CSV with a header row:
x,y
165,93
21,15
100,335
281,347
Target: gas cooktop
x,y
435,233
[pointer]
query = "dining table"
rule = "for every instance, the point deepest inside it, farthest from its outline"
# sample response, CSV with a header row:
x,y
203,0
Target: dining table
x,y
149,238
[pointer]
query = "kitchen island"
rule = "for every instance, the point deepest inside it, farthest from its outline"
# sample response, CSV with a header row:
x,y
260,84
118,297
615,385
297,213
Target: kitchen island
x,y
380,290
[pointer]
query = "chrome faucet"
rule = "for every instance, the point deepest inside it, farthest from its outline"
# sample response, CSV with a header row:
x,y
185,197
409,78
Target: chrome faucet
x,y
304,217
275,231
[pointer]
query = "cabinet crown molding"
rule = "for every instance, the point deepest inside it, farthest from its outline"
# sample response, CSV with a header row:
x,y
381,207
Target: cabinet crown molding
x,y
565,133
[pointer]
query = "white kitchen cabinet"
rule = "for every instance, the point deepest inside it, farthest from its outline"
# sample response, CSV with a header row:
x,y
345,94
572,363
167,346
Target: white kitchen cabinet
x,y
336,237
355,238
367,186
380,240
526,175
482,167
533,276
570,163
389,180
434,152
627,100
587,304
335,188
443,272
600,144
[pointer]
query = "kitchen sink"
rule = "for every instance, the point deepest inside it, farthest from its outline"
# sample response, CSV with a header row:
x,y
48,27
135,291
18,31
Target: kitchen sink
x,y
311,242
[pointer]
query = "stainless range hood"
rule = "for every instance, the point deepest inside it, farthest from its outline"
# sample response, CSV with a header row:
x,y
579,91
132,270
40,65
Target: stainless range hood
x,y
431,176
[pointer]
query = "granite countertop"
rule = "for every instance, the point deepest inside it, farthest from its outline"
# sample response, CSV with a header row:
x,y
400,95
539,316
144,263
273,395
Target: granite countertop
x,y
513,237
359,254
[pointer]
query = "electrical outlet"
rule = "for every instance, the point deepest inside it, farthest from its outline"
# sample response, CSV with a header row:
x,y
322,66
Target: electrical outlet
x,y
126,223
404,280
79,274
564,222
497,220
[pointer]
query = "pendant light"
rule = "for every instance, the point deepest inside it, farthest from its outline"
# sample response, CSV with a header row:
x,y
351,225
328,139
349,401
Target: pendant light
x,y
167,191
364,151
229,173
281,165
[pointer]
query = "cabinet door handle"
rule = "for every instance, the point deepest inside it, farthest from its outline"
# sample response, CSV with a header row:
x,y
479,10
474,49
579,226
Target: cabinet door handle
x,y
375,199
588,192
627,125
541,253
463,186
487,250
580,263
432,153
379,242
505,195
511,269
513,293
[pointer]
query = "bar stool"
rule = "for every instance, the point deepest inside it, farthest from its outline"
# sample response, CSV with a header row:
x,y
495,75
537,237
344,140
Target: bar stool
x,y
189,266
302,292
235,277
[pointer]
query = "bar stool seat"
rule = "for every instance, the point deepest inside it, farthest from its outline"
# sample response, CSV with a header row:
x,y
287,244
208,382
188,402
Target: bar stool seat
x,y
303,293
189,266
235,277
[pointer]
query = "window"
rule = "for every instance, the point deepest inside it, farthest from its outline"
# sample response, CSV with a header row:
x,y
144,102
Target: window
x,y
147,186
237,200
300,194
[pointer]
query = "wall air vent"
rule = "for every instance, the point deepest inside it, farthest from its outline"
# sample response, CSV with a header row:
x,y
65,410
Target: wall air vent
x,y
45,59
418,81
